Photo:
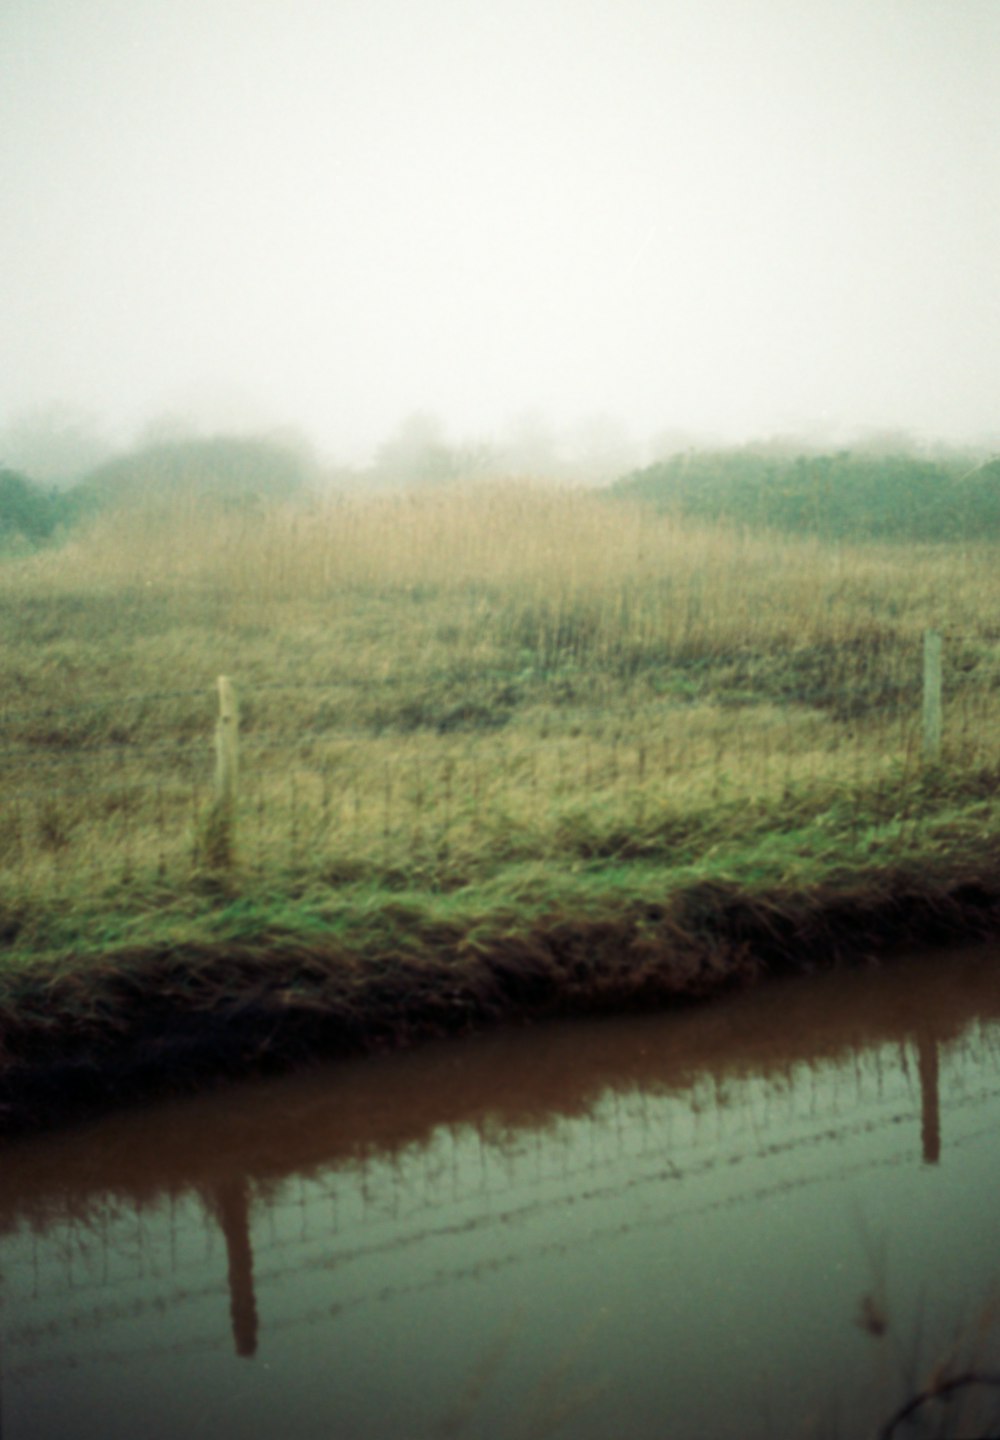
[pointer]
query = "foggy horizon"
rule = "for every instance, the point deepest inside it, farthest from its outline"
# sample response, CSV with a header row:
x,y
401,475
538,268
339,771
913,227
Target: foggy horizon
x,y
715,220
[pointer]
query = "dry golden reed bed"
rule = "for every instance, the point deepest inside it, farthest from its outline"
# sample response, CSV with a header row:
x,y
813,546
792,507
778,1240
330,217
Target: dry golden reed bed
x,y
445,682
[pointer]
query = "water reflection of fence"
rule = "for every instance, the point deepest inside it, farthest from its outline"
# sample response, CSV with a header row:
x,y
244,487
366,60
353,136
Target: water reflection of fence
x,y
311,1249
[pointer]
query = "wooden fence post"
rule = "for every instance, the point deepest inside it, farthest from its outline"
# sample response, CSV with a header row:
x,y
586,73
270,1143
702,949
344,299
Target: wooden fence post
x,y
220,831
932,695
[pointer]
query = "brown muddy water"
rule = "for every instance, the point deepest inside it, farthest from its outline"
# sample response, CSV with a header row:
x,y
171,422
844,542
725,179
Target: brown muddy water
x,y
773,1215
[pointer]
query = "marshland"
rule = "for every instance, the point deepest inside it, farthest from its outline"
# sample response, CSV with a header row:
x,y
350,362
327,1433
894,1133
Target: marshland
x,y
499,683
504,751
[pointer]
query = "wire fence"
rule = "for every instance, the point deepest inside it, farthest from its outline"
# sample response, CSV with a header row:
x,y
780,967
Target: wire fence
x,y
164,782
267,775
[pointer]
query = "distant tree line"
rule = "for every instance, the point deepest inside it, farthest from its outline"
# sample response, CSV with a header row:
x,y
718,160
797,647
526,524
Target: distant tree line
x,y
419,453
842,496
228,470
59,475
847,495
222,471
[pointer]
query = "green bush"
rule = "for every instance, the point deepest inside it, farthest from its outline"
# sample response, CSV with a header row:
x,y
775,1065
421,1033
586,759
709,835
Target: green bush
x,y
27,512
842,496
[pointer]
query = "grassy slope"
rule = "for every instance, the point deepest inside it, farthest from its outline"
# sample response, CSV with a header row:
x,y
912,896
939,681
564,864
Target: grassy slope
x,y
502,753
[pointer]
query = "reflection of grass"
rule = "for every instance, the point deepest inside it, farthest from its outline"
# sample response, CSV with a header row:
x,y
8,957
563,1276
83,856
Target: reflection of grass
x,y
553,1402
602,732
958,1392
978,1407
958,1395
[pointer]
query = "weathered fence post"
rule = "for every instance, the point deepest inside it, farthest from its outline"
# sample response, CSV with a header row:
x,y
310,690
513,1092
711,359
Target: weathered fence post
x,y
932,695
220,831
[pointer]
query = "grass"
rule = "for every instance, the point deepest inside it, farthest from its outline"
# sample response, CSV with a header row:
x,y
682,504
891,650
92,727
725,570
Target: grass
x,y
503,750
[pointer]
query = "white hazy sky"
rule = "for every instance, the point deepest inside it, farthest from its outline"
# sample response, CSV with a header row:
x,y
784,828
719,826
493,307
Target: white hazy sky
x,y
741,215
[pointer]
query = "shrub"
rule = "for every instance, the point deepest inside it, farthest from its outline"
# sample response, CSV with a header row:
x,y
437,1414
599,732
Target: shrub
x,y
26,510
842,496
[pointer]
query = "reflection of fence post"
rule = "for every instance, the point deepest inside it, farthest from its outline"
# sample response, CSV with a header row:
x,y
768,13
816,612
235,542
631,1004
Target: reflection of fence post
x,y
220,833
231,1201
930,1100
932,695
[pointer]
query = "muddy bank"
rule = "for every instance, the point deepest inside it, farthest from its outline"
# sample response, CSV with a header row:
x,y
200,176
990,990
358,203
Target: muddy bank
x,y
78,1033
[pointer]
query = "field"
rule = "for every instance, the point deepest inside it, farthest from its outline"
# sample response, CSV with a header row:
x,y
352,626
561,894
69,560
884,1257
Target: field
x,y
500,749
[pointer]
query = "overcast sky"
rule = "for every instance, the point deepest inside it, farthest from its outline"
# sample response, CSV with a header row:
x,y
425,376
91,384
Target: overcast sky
x,y
737,215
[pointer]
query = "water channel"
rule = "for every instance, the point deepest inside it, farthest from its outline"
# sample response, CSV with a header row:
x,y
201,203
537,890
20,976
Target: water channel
x,y
773,1215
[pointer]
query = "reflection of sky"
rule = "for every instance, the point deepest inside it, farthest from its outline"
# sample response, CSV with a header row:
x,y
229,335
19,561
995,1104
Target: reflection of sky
x,y
725,215
630,1248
